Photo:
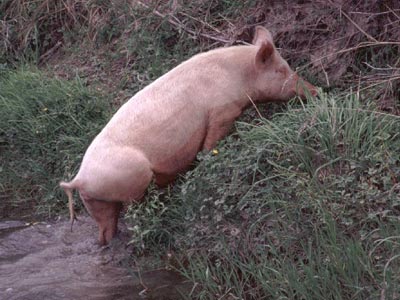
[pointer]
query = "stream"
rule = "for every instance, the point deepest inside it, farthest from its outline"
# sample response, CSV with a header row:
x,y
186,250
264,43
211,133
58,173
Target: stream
x,y
45,260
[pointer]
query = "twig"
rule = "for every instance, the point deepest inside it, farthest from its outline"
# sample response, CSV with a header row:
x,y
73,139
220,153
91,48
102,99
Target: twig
x,y
393,11
48,53
252,102
359,28
178,24
375,14
380,82
381,69
201,21
360,45
326,74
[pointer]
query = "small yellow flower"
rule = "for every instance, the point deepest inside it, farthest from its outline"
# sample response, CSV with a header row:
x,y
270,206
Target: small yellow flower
x,y
215,151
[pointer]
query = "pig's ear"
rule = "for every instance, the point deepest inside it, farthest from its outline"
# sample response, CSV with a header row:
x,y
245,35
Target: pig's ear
x,y
262,35
264,54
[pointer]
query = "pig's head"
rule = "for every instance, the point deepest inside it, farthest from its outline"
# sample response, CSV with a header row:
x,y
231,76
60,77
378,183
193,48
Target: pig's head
x,y
274,79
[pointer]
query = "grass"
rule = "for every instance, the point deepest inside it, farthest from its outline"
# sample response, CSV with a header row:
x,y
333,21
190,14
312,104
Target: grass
x,y
45,126
304,206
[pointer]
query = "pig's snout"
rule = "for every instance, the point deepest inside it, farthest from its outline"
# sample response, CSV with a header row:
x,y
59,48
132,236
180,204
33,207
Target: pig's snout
x,y
303,88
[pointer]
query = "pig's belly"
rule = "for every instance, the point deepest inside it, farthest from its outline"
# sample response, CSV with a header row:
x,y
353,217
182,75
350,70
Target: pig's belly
x,y
169,157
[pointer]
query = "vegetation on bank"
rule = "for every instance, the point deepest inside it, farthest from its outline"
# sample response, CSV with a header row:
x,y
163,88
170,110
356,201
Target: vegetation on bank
x,y
301,204
45,125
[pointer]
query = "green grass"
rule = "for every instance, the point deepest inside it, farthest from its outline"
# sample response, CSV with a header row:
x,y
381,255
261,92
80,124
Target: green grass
x,y
45,127
303,206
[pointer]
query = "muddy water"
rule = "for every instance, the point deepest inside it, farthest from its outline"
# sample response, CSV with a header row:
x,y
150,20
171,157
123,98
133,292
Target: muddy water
x,y
47,261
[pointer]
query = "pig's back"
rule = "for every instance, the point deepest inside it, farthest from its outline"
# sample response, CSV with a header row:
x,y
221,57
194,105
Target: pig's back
x,y
167,121
163,121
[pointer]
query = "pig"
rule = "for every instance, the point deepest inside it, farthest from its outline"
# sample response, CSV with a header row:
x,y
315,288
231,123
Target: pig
x,y
158,132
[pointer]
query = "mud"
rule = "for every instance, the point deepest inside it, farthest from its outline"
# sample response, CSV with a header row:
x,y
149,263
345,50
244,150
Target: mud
x,y
48,261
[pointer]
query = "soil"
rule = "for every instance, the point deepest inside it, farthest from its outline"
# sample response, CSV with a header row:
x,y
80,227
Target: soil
x,y
47,261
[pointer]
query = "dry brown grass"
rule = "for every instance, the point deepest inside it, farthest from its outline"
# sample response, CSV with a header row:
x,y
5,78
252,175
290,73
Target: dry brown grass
x,y
340,43
43,25
345,44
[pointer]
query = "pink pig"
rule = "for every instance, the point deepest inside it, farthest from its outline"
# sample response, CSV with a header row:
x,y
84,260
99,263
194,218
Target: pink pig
x,y
159,131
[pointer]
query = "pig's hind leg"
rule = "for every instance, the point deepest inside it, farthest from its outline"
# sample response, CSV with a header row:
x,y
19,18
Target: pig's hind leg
x,y
109,183
106,214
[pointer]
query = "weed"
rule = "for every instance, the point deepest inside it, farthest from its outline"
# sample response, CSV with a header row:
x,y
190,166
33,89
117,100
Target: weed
x,y
45,126
304,206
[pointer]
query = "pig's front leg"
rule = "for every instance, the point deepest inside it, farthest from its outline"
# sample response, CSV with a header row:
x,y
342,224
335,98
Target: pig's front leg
x,y
220,122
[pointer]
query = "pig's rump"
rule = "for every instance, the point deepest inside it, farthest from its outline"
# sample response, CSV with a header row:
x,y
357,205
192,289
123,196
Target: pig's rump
x,y
113,172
